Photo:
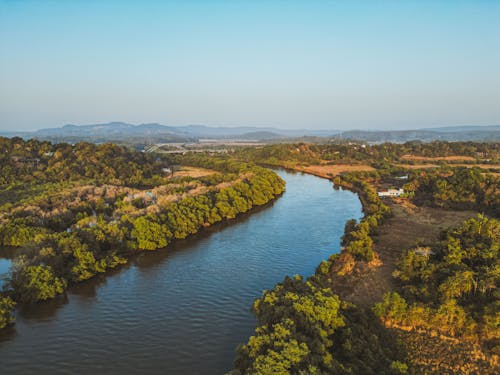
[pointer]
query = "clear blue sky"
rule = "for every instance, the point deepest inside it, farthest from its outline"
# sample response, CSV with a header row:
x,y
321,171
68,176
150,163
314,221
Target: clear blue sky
x,y
290,64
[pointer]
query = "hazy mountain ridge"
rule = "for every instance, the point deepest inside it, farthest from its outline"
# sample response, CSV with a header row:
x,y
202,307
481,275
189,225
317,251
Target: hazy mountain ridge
x,y
157,133
123,131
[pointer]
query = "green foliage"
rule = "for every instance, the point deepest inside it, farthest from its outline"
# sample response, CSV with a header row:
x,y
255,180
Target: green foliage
x,y
40,162
6,308
392,308
303,328
459,188
149,234
399,367
357,239
296,321
452,287
35,283
18,233
379,155
365,346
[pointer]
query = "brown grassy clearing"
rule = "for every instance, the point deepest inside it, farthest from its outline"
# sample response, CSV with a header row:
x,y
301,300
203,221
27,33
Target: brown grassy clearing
x,y
329,171
424,166
409,225
438,158
195,172
433,354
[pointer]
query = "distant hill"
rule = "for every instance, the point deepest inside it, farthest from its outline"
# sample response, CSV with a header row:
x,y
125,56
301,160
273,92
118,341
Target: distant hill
x,y
157,133
469,128
121,132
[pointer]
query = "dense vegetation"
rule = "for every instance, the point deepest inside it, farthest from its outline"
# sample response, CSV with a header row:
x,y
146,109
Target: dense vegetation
x,y
113,201
356,240
39,162
303,328
6,307
459,188
452,287
378,154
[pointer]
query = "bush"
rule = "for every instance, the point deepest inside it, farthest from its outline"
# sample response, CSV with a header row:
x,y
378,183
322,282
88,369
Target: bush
x,y
35,283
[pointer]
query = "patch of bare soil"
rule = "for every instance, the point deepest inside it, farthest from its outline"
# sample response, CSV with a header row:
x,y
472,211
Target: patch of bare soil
x,y
423,166
410,225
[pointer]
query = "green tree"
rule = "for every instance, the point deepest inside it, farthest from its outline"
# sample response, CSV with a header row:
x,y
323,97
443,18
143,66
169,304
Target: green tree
x,y
35,283
6,308
149,234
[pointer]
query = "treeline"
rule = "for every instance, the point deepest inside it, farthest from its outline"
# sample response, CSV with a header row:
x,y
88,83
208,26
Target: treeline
x,y
451,287
457,188
303,328
34,161
357,239
187,216
347,151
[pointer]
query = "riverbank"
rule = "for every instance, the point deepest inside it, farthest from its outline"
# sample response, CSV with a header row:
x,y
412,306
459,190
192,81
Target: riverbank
x,y
365,284
184,310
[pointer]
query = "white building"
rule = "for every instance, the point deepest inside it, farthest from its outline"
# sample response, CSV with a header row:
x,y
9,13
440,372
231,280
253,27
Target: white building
x,y
391,193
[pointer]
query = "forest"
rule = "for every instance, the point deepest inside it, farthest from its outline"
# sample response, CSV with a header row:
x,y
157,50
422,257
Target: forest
x,y
380,154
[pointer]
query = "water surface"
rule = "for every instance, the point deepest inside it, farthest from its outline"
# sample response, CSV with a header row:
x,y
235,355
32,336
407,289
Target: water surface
x,y
4,269
182,310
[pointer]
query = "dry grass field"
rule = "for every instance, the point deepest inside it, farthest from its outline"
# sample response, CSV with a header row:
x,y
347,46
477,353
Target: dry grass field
x,y
456,158
409,225
329,171
424,166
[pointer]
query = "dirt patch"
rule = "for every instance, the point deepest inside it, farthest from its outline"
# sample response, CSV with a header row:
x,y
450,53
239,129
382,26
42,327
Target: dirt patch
x,y
482,166
329,171
438,158
416,166
409,226
194,172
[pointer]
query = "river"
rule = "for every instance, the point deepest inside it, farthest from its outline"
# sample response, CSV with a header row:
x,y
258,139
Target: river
x,y
185,309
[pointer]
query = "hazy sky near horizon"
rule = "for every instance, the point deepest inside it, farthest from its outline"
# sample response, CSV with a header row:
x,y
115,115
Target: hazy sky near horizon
x,y
289,64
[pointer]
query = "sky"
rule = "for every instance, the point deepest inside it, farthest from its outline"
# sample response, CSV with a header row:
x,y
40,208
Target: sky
x,y
288,64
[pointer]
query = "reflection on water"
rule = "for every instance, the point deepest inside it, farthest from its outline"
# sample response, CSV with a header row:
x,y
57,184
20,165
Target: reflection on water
x,y
185,309
4,269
